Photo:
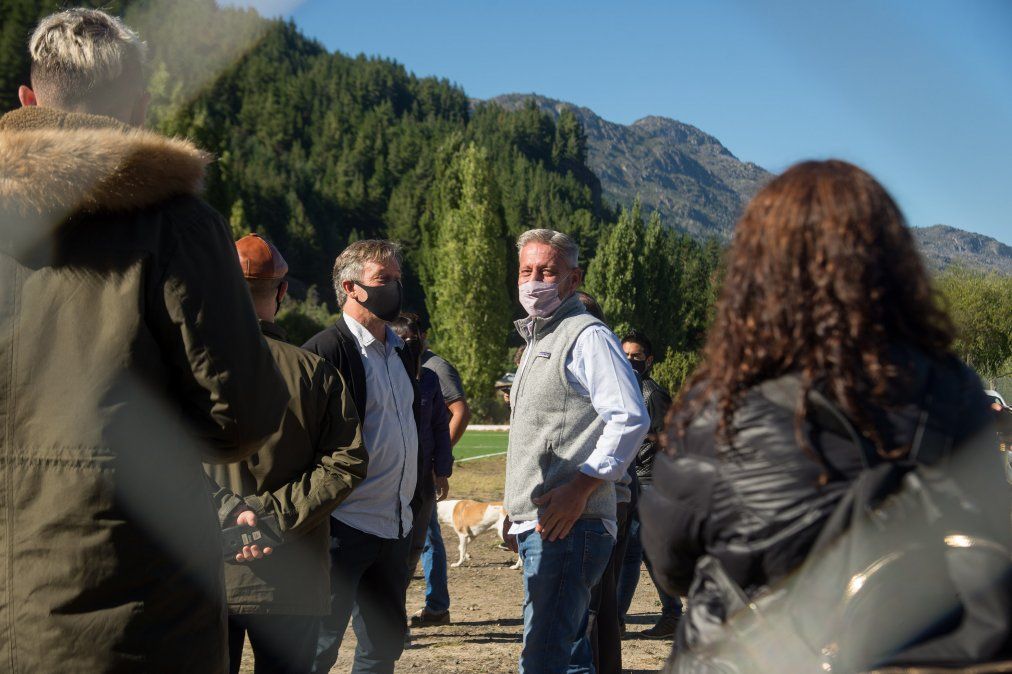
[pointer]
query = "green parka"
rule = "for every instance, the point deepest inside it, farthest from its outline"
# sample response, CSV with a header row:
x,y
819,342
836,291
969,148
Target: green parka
x,y
129,354
299,474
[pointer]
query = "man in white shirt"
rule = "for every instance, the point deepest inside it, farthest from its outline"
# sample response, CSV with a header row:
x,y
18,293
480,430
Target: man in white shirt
x,y
577,419
371,530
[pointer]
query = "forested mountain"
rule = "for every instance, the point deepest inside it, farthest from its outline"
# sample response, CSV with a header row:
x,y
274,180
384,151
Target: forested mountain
x,y
316,149
686,175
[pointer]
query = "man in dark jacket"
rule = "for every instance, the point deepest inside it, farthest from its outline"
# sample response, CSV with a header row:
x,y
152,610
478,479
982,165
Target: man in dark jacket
x,y
640,352
436,610
371,530
298,476
434,446
433,437
130,353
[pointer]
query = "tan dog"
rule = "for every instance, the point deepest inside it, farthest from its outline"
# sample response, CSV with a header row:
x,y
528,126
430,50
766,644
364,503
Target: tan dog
x,y
471,519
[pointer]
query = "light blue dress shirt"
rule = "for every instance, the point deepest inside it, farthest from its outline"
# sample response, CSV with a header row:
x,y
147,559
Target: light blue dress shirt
x,y
380,504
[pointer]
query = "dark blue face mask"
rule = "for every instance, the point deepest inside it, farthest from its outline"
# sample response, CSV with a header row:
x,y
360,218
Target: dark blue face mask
x,y
383,301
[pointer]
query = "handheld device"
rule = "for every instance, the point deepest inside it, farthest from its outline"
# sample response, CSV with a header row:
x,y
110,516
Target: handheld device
x,y
266,533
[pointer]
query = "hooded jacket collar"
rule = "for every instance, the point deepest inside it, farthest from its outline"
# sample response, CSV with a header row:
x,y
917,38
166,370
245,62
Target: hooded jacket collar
x,y
54,164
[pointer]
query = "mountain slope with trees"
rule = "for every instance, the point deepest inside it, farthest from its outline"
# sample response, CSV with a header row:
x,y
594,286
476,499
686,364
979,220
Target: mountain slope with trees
x,y
317,149
698,186
686,175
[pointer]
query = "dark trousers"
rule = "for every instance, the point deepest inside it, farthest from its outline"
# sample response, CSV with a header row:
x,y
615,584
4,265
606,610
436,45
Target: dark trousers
x,y
422,513
367,574
605,625
282,644
629,574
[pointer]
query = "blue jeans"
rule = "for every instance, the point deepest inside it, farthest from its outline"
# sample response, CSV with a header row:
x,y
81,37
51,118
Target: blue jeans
x,y
629,576
558,579
437,595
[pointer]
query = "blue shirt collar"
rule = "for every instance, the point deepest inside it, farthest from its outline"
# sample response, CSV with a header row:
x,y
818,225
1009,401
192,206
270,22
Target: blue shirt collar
x,y
366,338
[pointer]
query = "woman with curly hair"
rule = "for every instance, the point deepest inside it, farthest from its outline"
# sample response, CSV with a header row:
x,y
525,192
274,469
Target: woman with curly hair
x,y
825,294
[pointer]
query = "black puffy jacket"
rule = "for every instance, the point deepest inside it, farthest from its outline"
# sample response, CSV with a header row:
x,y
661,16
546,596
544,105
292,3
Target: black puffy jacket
x,y
759,509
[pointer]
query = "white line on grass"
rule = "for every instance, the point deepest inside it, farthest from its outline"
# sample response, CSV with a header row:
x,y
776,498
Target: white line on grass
x,y
480,456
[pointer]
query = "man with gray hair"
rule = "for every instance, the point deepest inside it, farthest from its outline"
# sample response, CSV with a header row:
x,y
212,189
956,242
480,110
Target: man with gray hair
x,y
371,529
577,419
129,353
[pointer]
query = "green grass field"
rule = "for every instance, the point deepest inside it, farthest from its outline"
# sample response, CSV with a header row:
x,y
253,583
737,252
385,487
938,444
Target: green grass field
x,y
477,443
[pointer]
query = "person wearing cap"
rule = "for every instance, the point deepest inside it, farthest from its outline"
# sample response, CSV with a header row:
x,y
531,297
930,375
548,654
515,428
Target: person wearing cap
x,y
296,478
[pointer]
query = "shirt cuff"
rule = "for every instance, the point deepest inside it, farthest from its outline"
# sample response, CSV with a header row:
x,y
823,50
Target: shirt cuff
x,y
607,469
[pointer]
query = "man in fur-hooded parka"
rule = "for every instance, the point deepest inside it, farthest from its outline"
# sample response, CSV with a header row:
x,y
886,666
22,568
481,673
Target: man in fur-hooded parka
x,y
129,353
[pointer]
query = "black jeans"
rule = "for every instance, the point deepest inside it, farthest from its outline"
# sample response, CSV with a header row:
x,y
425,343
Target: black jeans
x,y
282,644
369,574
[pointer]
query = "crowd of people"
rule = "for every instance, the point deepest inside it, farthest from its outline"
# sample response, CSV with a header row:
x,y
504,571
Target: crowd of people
x,y
178,479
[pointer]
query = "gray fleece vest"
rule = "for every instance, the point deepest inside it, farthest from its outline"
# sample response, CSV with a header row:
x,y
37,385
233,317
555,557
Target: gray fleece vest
x,y
553,428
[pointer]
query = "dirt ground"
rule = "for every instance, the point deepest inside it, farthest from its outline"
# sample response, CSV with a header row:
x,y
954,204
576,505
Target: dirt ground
x,y
486,597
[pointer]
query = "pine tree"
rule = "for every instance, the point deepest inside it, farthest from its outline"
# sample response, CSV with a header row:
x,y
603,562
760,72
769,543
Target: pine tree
x,y
658,292
614,275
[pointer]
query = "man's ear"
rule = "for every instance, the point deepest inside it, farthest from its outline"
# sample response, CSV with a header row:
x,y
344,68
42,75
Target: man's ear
x,y
650,361
349,289
27,97
282,290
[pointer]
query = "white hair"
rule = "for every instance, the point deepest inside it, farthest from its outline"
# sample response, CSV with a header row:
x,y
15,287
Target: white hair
x,y
563,243
79,52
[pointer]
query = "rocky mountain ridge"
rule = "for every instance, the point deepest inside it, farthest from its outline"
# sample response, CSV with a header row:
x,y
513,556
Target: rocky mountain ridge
x,y
700,187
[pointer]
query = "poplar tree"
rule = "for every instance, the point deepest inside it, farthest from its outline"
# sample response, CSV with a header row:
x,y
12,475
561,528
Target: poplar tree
x,y
466,290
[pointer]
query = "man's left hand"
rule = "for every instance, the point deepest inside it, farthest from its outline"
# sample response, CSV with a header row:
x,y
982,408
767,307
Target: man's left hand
x,y
442,487
564,505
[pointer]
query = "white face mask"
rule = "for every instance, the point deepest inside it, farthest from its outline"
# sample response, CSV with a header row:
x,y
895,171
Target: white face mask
x,y
540,299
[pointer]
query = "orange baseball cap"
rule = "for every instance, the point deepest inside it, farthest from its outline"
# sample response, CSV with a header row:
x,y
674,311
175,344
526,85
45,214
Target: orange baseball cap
x,y
259,258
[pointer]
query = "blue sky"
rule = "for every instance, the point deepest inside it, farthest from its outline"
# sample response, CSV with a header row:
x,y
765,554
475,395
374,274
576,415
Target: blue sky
x,y
918,92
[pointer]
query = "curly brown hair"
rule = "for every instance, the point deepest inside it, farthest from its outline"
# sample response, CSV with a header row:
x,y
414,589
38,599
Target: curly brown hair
x,y
823,277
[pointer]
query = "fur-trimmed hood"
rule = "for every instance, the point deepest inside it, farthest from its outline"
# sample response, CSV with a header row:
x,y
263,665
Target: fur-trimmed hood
x,y
54,164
